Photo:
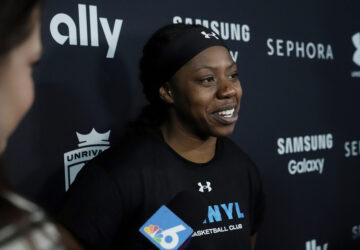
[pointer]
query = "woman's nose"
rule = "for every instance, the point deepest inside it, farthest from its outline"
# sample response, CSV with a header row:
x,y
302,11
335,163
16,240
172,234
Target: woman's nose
x,y
227,88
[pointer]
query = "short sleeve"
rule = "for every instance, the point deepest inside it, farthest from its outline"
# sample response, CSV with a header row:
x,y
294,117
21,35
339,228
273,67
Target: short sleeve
x,y
92,210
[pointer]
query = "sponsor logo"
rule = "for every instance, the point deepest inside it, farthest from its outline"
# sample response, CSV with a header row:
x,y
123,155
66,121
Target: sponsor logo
x,y
311,245
307,143
356,232
306,166
226,30
176,231
111,35
352,148
90,145
356,56
309,50
207,187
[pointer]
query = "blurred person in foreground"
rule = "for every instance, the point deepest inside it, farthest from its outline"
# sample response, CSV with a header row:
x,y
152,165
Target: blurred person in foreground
x,y
23,225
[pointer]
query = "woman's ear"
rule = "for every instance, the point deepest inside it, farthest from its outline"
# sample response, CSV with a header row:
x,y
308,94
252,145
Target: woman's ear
x,y
166,94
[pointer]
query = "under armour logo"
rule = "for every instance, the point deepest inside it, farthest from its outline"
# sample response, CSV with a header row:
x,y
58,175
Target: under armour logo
x,y
209,35
356,42
207,186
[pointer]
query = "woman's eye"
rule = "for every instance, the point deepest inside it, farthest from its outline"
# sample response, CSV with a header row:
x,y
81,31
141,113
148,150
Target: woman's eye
x,y
208,79
234,75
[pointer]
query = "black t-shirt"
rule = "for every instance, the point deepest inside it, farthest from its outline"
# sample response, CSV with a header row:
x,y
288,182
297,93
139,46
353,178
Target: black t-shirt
x,y
115,194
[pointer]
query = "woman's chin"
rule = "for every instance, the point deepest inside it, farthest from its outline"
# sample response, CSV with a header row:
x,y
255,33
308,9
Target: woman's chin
x,y
224,131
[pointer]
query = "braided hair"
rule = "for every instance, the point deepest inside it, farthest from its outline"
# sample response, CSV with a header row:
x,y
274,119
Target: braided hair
x,y
156,112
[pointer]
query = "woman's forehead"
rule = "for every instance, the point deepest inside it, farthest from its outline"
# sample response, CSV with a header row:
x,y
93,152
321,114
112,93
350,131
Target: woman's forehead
x,y
211,58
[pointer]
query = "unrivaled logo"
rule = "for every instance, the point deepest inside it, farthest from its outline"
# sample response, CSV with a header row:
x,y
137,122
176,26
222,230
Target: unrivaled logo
x,y
111,37
311,245
165,230
90,145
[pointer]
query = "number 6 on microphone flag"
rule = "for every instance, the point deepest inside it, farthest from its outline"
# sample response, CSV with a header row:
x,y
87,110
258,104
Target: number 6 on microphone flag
x,y
165,230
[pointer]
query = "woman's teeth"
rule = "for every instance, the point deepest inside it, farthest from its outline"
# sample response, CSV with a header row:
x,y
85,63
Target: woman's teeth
x,y
227,113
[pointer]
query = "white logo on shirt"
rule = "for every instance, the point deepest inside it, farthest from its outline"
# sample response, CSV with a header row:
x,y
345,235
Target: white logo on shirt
x,y
209,35
207,186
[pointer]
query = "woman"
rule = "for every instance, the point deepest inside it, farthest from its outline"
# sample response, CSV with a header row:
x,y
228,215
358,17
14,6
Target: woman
x,y
179,143
23,225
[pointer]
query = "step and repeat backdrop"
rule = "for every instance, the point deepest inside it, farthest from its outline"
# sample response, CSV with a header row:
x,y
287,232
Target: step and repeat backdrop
x,y
299,65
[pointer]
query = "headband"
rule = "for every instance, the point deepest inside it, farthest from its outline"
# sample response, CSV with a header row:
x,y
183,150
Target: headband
x,y
183,48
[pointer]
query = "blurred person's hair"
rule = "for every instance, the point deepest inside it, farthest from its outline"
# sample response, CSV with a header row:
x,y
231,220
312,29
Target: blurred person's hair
x,y
15,22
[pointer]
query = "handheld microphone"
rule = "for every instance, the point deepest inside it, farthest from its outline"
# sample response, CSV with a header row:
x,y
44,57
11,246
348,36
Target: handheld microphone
x,y
170,227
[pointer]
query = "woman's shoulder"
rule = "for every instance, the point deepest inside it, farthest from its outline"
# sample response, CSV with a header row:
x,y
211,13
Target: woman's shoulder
x,y
233,149
234,153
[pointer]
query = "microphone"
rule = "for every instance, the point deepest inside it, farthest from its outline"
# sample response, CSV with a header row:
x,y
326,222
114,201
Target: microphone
x,y
170,227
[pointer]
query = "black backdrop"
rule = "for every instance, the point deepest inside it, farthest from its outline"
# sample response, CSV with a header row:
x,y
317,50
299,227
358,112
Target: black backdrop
x,y
299,64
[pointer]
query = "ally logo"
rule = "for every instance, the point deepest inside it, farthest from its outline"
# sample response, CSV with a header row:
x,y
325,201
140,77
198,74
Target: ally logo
x,y
165,230
86,18
90,145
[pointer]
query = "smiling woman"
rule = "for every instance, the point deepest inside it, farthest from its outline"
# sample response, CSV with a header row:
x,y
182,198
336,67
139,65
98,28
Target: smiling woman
x,y
179,142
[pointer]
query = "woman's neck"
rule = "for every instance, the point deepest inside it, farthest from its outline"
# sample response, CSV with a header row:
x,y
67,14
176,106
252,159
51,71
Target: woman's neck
x,y
187,144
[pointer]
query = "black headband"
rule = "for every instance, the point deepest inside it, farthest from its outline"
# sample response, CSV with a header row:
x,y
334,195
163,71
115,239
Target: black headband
x,y
183,48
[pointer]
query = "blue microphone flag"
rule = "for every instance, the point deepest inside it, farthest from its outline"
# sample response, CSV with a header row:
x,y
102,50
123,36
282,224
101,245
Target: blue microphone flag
x,y
165,230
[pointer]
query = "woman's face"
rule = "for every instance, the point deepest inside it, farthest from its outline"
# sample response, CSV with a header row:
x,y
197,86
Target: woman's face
x,y
206,93
16,83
